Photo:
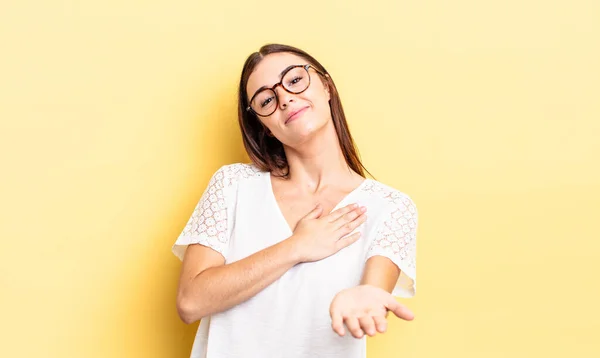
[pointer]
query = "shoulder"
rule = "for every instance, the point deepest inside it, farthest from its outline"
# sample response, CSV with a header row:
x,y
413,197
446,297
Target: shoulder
x,y
390,197
230,174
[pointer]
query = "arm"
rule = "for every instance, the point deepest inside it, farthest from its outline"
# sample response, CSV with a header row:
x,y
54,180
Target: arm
x,y
364,308
380,272
208,286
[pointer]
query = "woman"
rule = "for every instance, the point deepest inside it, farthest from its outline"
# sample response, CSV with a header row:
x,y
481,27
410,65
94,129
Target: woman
x,y
297,254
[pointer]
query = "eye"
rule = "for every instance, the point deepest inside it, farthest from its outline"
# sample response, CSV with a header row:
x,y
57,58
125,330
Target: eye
x,y
266,102
295,80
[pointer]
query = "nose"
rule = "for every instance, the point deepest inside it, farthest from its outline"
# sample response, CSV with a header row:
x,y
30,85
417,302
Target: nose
x,y
283,97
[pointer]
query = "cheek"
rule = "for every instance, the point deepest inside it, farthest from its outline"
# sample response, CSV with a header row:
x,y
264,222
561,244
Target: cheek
x,y
322,106
319,100
273,121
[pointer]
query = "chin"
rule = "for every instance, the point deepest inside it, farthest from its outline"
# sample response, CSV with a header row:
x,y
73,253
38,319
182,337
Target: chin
x,y
308,128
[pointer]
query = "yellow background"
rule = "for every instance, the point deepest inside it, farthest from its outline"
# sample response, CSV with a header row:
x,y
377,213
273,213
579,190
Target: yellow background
x,y
115,113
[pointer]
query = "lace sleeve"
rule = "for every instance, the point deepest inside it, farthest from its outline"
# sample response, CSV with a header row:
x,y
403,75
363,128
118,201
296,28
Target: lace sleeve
x,y
208,224
396,239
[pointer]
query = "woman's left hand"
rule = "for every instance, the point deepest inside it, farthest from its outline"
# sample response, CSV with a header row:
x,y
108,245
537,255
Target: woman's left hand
x,y
363,309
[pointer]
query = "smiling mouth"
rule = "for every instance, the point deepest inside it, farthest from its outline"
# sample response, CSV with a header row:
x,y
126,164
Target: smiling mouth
x,y
295,115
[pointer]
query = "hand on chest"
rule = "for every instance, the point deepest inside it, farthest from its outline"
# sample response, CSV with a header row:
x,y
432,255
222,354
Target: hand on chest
x,y
295,203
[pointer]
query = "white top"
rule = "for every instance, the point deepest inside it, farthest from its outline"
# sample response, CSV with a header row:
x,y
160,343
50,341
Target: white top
x,y
238,215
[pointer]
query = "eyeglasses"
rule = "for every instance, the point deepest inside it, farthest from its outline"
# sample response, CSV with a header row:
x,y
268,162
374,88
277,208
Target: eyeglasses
x,y
294,79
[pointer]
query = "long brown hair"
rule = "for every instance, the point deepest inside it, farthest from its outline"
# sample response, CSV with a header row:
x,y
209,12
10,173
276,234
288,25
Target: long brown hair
x,y
265,151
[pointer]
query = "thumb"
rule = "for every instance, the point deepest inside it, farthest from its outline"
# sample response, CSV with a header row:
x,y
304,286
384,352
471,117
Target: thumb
x,y
400,310
314,213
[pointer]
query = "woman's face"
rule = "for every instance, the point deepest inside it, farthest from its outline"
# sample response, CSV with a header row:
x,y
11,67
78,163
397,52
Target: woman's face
x,y
297,116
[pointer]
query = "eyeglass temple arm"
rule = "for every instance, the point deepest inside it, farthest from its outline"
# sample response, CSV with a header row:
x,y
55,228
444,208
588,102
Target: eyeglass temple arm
x,y
317,70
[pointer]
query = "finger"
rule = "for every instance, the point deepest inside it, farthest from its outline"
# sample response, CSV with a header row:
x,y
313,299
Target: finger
x,y
400,310
341,211
353,326
367,325
350,226
347,241
337,323
349,217
314,213
380,323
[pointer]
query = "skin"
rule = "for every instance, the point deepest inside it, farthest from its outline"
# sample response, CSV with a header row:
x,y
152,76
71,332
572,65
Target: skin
x,y
319,179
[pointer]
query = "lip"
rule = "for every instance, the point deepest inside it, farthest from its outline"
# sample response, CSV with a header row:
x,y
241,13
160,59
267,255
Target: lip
x,y
295,114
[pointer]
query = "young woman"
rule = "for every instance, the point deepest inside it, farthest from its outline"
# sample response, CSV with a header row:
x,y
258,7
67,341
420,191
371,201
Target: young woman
x,y
296,254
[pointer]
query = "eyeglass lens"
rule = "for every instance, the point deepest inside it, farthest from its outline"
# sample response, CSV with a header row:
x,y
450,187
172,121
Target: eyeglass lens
x,y
294,81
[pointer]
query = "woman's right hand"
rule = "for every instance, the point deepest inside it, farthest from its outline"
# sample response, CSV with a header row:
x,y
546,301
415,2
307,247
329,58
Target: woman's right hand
x,y
317,237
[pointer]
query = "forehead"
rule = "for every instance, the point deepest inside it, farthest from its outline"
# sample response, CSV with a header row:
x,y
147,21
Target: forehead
x,y
267,72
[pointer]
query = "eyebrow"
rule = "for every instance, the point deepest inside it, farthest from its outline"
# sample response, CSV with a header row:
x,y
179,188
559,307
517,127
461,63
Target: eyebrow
x,y
280,76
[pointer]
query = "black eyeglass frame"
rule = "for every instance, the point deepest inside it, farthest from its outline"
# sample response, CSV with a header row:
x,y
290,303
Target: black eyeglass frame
x,y
280,83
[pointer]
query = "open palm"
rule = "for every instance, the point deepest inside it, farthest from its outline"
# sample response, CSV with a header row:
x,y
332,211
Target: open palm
x,y
363,309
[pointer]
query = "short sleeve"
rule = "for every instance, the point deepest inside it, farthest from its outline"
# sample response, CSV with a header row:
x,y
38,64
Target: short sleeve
x,y
396,239
209,222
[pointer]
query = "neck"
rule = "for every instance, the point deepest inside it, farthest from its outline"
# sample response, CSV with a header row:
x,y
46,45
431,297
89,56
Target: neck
x,y
319,162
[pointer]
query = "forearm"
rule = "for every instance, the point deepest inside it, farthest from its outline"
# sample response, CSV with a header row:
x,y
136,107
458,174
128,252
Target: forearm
x,y
380,272
217,289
